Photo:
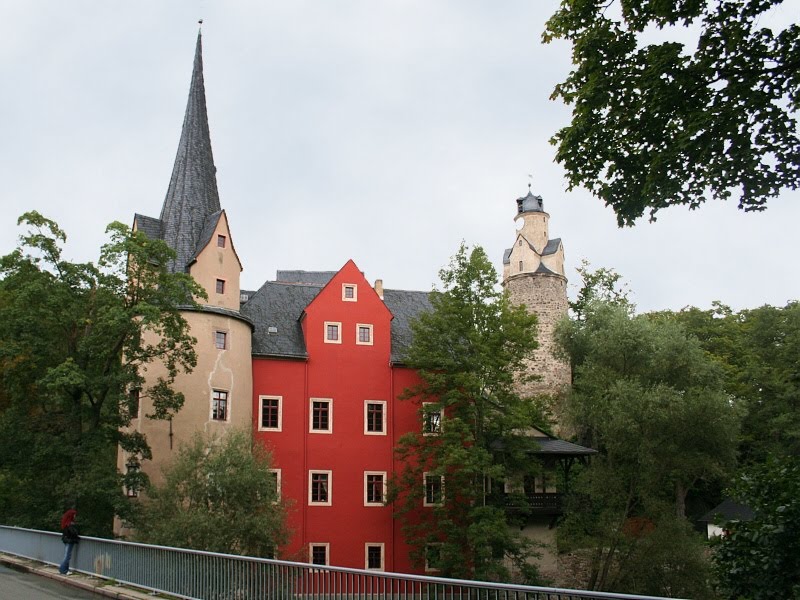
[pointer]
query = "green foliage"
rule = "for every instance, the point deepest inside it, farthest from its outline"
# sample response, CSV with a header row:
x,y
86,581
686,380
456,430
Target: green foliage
x,y
757,349
650,400
598,284
469,351
662,124
74,338
760,559
218,496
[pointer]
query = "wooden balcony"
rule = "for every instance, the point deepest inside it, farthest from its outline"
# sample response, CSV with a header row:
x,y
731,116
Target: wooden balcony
x,y
539,504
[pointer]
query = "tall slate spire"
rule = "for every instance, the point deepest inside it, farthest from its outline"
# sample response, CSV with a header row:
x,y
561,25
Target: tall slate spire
x,y
192,196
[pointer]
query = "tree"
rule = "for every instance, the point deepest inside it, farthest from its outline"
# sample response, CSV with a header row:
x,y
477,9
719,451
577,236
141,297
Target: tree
x,y
757,350
598,284
760,559
650,400
657,124
219,495
74,338
469,351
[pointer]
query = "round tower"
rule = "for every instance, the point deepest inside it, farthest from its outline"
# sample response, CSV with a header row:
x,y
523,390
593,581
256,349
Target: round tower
x,y
533,274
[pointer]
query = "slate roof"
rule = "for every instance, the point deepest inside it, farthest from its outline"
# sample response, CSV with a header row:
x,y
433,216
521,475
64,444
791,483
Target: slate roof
x,y
530,203
192,196
550,248
320,278
728,510
404,305
553,446
278,306
150,226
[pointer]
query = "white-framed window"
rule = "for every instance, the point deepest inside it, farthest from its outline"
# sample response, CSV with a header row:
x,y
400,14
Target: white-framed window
x,y
219,405
220,340
320,415
320,489
374,417
333,332
349,292
270,413
276,475
220,286
433,489
363,334
373,556
433,557
374,488
319,554
431,418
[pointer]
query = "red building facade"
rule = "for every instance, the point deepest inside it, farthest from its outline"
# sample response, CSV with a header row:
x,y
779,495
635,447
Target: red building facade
x,y
327,409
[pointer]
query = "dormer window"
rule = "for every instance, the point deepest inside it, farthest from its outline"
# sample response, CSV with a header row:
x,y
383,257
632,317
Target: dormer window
x,y
220,241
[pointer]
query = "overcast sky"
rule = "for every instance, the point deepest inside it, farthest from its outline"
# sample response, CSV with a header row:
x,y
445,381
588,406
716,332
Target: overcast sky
x,y
385,132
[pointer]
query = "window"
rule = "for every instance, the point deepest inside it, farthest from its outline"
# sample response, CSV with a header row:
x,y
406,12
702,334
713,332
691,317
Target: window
x,y
221,340
520,243
349,292
434,490
520,265
431,419
220,286
375,417
433,557
321,415
219,405
133,402
271,414
221,241
319,488
333,332
318,554
276,476
373,557
363,334
132,471
374,488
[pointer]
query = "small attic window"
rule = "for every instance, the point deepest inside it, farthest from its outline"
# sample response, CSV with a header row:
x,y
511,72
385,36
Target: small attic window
x,y
220,286
520,265
519,243
221,241
349,292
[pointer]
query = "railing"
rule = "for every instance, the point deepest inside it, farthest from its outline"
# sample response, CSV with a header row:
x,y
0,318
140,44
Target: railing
x,y
203,575
535,504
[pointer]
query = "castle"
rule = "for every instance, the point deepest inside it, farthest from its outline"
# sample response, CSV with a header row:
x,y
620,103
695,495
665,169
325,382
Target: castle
x,y
313,363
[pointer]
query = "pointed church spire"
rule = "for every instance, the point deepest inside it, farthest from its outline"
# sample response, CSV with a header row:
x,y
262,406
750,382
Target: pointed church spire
x,y
192,196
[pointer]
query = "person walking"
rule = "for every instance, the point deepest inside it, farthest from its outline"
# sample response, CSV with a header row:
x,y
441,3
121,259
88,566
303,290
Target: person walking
x,y
69,535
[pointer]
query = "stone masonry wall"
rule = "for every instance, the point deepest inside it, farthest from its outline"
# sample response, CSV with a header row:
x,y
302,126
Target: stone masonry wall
x,y
545,295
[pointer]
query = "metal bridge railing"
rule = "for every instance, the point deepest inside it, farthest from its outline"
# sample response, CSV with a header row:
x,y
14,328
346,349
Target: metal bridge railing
x,y
208,576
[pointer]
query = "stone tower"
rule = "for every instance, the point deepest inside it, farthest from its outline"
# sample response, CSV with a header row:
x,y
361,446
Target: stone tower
x,y
533,273
218,392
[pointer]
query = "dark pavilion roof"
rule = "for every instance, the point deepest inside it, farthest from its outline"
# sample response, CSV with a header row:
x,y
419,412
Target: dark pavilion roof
x,y
191,207
728,510
276,309
551,447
